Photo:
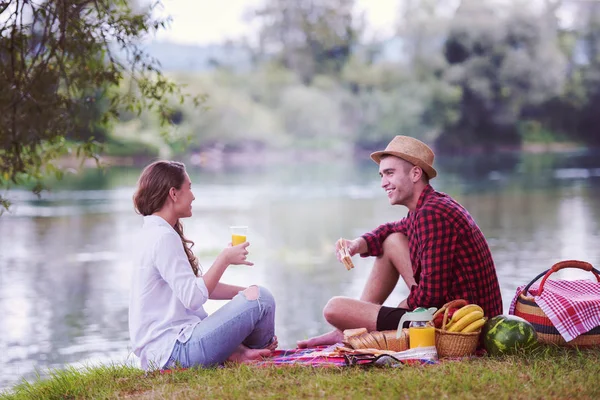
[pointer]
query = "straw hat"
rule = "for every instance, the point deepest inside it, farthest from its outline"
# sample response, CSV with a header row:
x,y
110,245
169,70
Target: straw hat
x,y
412,150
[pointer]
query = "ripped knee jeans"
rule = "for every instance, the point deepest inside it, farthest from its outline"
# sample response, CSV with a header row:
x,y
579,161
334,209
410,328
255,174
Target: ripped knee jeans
x,y
240,321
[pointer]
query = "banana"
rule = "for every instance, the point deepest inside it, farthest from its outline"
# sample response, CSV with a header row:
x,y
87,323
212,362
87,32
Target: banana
x,y
461,312
474,326
465,321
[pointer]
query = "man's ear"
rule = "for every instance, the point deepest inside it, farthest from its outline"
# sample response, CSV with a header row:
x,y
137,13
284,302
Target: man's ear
x,y
417,173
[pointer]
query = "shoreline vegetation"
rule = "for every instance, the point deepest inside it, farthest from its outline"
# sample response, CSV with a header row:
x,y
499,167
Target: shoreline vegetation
x,y
216,159
548,372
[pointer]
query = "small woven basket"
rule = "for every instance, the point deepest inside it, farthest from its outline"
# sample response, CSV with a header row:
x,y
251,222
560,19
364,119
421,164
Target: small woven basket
x,y
455,344
526,307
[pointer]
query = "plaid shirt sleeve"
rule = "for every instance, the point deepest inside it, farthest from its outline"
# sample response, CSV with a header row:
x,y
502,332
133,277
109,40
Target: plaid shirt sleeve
x,y
376,237
437,245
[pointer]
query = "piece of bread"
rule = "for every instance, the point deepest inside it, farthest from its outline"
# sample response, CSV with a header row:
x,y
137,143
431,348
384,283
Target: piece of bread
x,y
373,343
396,344
380,338
361,339
352,333
345,255
365,342
355,343
347,261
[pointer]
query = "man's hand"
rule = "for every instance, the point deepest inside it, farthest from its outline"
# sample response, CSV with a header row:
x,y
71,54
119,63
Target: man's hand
x,y
344,249
356,246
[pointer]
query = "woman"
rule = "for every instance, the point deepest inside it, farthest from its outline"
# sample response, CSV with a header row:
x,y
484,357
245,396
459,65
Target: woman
x,y
167,322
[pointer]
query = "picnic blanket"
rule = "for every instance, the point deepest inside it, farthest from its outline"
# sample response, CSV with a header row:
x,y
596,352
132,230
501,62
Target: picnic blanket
x,y
338,356
573,307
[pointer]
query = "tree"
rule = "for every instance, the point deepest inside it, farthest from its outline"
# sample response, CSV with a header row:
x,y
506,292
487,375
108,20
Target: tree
x,y
575,112
423,25
58,60
495,59
309,37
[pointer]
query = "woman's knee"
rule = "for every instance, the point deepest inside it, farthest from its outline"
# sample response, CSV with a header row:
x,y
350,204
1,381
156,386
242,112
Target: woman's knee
x,y
255,292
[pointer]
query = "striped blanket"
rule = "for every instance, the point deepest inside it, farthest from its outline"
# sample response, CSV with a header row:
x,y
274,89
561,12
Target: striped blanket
x,y
330,356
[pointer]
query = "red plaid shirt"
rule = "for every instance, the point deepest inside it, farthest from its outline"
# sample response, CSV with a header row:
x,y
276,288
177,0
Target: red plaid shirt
x,y
449,254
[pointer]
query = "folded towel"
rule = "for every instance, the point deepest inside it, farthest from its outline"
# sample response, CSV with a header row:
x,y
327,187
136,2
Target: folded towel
x,y
573,307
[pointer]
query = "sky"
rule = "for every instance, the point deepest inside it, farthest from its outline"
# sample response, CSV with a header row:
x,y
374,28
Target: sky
x,y
214,21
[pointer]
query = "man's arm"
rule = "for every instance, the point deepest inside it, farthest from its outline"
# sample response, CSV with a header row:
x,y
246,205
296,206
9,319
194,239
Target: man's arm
x,y
437,241
373,241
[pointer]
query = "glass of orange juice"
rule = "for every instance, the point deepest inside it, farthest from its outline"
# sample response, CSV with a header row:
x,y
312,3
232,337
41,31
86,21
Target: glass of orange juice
x,y
422,336
238,234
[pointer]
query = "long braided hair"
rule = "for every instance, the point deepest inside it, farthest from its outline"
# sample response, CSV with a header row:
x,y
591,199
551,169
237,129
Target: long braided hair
x,y
152,192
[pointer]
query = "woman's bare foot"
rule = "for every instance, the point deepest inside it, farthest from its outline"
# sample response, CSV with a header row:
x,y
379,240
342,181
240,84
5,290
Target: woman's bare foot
x,y
332,337
273,345
245,354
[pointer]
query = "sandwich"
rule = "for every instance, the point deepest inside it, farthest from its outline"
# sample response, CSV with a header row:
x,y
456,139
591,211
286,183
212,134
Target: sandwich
x,y
345,255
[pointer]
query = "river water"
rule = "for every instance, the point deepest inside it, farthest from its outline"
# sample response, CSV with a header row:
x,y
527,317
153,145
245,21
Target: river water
x,y
65,258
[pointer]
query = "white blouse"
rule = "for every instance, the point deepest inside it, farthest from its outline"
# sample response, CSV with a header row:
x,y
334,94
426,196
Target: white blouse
x,y
166,298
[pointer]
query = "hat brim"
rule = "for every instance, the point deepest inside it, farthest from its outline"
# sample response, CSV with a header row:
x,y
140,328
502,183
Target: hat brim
x,y
429,170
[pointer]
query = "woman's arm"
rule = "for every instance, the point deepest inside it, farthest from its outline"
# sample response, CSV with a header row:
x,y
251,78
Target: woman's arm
x,y
233,255
174,267
224,291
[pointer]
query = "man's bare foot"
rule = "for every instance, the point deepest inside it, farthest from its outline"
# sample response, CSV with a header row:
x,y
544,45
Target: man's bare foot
x,y
245,354
332,337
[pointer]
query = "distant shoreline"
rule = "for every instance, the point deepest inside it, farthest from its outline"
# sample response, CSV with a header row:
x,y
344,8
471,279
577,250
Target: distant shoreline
x,y
213,160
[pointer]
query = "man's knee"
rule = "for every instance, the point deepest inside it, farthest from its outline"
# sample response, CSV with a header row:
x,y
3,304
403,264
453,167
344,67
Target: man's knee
x,y
395,242
334,308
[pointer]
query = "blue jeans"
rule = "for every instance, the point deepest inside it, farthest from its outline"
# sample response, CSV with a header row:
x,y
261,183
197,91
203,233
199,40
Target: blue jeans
x,y
240,321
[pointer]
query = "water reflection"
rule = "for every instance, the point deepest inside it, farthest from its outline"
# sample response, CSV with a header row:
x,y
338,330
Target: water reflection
x,y
65,258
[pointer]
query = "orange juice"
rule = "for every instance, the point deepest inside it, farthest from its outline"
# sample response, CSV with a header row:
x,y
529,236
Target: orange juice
x,y
421,336
237,239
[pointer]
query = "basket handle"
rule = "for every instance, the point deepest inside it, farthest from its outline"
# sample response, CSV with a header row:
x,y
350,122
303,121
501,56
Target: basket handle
x,y
557,267
445,319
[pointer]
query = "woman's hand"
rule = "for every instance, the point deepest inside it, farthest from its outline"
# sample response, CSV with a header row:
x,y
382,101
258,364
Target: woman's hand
x,y
231,255
236,255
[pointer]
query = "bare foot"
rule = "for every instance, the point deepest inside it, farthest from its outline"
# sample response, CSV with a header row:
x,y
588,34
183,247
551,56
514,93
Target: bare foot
x,y
332,337
244,354
273,345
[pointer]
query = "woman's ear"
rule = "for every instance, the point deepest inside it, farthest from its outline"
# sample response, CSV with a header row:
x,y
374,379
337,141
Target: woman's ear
x,y
173,193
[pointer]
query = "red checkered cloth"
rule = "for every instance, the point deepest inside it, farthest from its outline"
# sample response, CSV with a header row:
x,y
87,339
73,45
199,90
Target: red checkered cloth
x,y
573,307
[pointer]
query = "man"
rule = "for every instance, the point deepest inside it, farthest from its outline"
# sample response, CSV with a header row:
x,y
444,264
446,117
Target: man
x,y
437,249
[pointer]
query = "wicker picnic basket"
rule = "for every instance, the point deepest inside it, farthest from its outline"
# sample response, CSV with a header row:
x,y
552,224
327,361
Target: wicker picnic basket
x,y
455,344
526,308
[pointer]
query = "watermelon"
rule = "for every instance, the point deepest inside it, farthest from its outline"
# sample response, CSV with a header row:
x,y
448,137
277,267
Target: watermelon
x,y
508,334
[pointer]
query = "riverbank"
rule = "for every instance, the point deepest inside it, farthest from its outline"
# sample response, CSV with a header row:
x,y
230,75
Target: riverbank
x,y
548,373
219,158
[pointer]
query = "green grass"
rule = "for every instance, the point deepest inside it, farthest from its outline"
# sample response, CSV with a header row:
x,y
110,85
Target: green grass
x,y
549,373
